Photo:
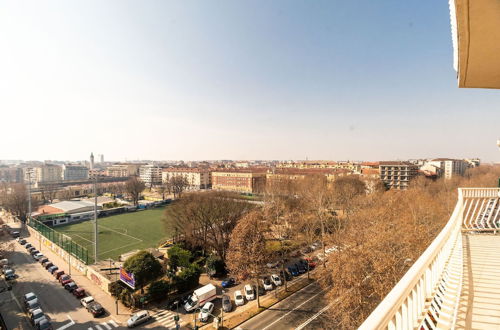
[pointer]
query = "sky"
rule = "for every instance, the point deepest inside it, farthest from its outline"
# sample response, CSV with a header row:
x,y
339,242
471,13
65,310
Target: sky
x,y
195,80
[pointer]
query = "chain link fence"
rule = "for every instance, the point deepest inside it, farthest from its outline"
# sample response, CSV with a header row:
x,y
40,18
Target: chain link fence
x,y
63,241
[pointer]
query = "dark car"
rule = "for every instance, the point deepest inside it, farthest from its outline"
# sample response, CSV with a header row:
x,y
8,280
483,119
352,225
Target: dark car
x,y
79,292
27,246
286,275
228,283
22,241
96,309
65,279
31,248
71,286
52,269
34,252
42,260
174,304
293,270
58,274
44,325
47,264
300,268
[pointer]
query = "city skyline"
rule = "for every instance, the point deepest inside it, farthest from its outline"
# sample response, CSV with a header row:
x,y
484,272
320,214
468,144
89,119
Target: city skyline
x,y
280,80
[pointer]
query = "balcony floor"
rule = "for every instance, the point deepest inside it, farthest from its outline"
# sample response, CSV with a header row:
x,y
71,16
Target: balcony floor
x,y
479,306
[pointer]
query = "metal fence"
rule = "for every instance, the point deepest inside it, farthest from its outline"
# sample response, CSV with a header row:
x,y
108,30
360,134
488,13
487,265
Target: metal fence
x,y
63,241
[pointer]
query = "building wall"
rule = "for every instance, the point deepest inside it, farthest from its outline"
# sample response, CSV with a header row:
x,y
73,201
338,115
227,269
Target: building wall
x,y
48,173
197,178
150,175
11,174
243,182
397,175
75,172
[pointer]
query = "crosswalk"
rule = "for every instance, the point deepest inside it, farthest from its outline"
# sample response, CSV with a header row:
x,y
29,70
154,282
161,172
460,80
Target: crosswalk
x,y
105,325
165,318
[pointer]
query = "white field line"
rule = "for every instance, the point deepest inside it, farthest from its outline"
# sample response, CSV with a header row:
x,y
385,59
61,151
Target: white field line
x,y
292,310
120,247
121,233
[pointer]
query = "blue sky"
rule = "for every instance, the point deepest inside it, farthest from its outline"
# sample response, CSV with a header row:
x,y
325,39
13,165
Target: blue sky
x,y
236,80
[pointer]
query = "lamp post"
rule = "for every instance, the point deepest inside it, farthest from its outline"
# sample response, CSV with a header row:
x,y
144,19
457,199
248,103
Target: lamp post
x,y
222,310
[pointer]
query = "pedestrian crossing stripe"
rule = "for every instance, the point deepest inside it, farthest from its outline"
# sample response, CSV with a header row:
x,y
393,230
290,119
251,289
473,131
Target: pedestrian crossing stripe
x,y
106,325
165,318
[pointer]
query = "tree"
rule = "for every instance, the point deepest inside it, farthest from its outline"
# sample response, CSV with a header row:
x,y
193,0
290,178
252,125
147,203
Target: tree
x,y
178,184
134,187
159,290
144,266
206,220
247,249
178,257
15,200
345,192
49,192
187,279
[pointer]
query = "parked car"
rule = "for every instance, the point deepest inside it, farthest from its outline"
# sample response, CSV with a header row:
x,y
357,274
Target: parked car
x,y
228,283
28,297
15,234
227,306
34,252
52,269
22,241
249,293
293,270
4,262
205,311
32,305
65,279
43,260
95,309
37,316
31,248
86,301
44,325
38,256
285,275
79,292
138,318
238,298
300,268
71,286
27,246
266,282
276,280
47,264
311,261
10,274
58,274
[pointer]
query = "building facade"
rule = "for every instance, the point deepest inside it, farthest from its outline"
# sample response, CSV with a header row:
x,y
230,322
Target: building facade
x,y
446,167
397,175
74,172
11,174
251,182
48,173
197,178
122,170
150,175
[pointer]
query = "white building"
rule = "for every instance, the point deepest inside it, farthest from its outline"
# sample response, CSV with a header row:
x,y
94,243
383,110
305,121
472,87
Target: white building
x,y
74,172
196,178
150,175
447,167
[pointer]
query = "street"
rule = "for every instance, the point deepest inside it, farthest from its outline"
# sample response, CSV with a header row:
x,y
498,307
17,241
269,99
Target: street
x,y
299,308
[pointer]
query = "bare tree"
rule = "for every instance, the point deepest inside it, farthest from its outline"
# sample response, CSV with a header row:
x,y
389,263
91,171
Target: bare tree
x,y
134,187
49,192
15,200
178,184
247,249
206,219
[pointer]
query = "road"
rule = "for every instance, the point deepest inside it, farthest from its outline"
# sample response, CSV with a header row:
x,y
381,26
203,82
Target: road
x,y
292,312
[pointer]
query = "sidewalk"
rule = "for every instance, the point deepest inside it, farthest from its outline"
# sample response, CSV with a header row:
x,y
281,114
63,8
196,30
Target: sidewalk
x,y
103,298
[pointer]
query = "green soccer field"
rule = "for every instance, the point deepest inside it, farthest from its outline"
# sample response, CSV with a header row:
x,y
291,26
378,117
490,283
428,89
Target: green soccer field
x,y
121,233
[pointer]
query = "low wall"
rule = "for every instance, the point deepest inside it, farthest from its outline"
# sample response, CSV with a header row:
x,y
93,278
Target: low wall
x,y
98,279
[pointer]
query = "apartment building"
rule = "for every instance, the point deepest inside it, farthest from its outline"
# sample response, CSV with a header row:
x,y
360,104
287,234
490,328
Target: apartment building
x,y
11,174
150,175
242,181
74,172
122,170
197,178
48,173
446,167
397,175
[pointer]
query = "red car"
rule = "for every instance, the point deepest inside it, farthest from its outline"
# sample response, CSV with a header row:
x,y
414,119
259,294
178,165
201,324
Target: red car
x,y
79,293
65,279
58,274
311,262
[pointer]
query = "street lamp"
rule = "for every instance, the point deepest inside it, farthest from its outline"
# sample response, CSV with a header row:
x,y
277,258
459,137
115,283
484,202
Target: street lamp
x,y
222,310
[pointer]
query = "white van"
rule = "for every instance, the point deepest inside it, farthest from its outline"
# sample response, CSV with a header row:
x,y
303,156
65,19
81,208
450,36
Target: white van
x,y
200,297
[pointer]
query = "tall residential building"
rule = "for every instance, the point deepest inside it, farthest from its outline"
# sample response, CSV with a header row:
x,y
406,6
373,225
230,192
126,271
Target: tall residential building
x,y
446,167
123,170
244,181
48,173
150,175
197,178
11,174
397,175
74,172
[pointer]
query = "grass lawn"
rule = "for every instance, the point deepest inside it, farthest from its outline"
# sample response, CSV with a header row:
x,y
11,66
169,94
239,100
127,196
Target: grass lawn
x,y
120,233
